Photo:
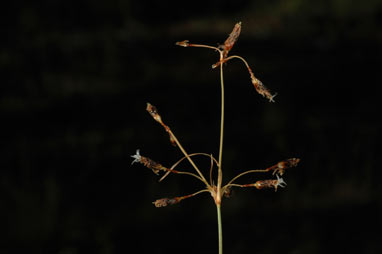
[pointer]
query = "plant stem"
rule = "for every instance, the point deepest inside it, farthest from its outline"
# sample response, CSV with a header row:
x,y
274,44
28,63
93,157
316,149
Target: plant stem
x,y
188,157
220,232
221,129
219,186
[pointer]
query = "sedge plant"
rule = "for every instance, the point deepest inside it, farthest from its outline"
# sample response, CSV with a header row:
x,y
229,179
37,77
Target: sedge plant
x,y
217,189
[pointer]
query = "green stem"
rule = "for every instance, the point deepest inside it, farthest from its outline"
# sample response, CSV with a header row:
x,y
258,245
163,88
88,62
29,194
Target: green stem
x,y
220,232
188,158
220,174
221,129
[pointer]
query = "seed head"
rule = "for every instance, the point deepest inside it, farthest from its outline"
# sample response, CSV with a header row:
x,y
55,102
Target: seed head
x,y
265,184
165,202
154,112
232,38
184,43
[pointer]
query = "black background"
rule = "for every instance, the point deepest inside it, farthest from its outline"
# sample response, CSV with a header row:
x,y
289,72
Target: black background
x,y
75,79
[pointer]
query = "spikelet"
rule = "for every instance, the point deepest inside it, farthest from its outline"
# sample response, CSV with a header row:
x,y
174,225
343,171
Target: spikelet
x,y
279,168
154,113
260,88
148,163
231,40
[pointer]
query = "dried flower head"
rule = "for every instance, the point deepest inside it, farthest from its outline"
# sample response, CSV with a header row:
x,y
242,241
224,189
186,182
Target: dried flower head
x,y
154,113
184,43
232,38
149,163
260,88
165,202
282,165
264,184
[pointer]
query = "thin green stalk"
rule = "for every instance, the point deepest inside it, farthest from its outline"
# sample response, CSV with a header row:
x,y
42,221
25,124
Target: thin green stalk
x,y
244,173
220,232
221,130
188,157
219,194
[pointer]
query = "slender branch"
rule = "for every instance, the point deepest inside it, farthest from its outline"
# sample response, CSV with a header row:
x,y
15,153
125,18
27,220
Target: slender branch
x,y
180,173
194,154
259,86
277,169
191,195
188,158
235,185
262,184
239,57
154,113
203,46
196,193
211,168
241,174
179,161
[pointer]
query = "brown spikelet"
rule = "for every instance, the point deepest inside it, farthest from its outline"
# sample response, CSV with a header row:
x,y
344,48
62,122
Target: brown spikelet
x,y
280,167
166,201
149,163
171,201
232,38
154,113
265,184
154,166
260,88
162,202
184,43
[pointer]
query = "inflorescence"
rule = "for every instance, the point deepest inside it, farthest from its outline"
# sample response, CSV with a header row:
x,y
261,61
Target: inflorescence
x,y
219,190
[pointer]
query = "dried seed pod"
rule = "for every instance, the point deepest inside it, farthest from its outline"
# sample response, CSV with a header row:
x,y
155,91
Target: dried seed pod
x,y
164,202
167,201
232,38
154,166
154,113
260,88
184,43
161,202
264,184
280,167
149,163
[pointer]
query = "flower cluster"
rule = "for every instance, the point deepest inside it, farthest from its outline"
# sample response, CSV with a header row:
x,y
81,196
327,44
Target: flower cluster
x,y
217,190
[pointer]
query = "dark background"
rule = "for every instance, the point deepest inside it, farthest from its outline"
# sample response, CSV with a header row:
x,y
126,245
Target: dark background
x,y
75,79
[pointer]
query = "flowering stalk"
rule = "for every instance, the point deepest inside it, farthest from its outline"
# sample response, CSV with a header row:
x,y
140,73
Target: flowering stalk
x,y
171,201
219,190
262,184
